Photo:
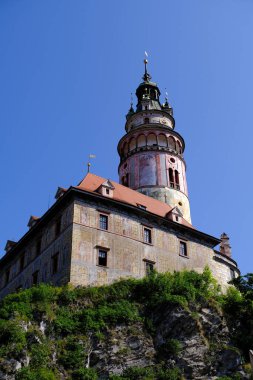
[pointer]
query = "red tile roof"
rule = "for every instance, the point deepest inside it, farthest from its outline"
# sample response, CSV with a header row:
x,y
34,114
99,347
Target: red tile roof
x,y
92,182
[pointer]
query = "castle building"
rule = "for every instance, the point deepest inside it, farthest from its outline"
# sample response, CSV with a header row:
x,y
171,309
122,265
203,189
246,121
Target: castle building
x,y
100,231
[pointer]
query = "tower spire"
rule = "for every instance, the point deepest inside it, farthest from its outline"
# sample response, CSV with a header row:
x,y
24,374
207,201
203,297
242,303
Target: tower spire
x,y
166,104
131,104
146,77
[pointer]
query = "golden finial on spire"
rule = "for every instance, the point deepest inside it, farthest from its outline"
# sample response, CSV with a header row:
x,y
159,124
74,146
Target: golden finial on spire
x,y
89,164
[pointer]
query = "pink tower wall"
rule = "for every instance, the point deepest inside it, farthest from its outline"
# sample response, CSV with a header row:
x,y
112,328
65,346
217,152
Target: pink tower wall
x,y
151,169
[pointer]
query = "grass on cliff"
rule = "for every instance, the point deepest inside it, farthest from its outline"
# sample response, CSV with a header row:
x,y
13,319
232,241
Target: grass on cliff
x,y
71,316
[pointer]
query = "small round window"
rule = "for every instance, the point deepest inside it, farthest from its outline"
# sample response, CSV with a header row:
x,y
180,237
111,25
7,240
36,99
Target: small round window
x,y
180,203
172,160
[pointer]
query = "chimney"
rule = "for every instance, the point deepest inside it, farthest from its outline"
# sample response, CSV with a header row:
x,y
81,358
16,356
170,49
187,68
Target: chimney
x,y
225,247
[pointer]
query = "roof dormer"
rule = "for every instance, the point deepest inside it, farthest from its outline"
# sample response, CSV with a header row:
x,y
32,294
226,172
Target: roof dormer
x,y
60,191
32,221
9,245
106,189
175,214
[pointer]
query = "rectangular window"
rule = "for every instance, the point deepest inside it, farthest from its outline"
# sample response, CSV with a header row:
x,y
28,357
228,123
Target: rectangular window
x,y
232,274
149,267
103,222
58,227
22,262
141,206
183,248
102,257
55,263
147,235
35,277
7,276
38,247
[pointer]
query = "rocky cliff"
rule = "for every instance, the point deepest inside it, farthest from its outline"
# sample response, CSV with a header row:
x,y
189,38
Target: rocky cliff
x,y
162,327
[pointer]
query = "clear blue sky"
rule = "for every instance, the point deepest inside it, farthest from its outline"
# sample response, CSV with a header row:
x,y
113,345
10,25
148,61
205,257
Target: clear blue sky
x,y
67,69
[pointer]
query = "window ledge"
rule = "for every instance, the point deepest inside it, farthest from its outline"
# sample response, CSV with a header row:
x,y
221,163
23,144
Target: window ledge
x,y
105,212
185,257
102,266
149,261
145,242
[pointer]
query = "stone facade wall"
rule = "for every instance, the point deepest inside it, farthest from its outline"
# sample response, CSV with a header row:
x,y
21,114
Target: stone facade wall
x,y
50,245
81,237
127,253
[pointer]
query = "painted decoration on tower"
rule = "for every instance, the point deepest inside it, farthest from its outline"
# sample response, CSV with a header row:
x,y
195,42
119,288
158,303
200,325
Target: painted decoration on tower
x,y
147,170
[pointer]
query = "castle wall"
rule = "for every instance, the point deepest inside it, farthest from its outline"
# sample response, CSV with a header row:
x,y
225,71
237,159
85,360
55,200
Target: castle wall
x,y
42,262
127,253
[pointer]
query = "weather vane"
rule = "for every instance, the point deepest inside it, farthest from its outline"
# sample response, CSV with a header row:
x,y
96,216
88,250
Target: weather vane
x,y
146,60
166,94
89,164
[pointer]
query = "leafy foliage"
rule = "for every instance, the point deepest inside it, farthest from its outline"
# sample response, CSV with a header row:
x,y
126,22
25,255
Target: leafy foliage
x,y
85,374
238,306
75,318
171,348
149,373
178,287
37,374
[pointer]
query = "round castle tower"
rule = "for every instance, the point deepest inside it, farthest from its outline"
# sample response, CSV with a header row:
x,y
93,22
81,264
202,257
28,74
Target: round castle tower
x,y
151,152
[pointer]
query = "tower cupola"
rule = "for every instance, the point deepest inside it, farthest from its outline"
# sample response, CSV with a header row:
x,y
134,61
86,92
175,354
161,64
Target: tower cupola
x,y
148,93
151,151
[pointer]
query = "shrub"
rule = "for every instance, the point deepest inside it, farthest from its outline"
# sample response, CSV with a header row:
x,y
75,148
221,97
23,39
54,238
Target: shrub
x,y
238,307
179,287
172,347
40,355
38,374
73,354
16,304
85,374
66,321
109,314
12,338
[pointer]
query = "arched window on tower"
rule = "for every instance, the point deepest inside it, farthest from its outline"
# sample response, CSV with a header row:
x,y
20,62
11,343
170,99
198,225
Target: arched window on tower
x,y
162,140
172,143
151,140
177,180
141,141
171,178
178,146
146,120
132,144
